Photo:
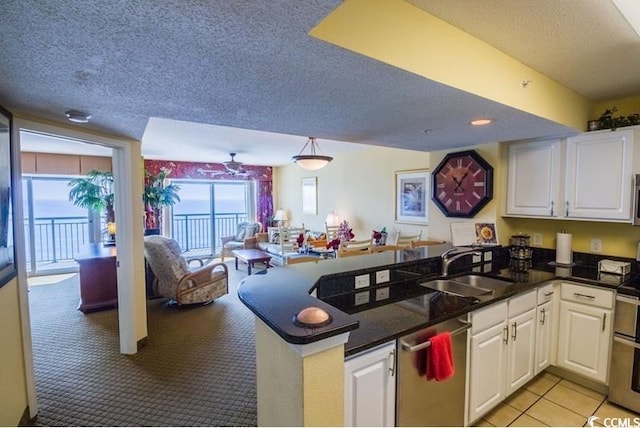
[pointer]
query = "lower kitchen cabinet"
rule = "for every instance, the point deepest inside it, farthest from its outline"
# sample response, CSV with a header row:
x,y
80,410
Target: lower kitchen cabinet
x,y
584,335
545,318
502,351
370,387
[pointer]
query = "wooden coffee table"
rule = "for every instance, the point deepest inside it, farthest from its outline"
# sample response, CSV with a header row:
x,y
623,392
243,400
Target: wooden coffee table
x,y
250,257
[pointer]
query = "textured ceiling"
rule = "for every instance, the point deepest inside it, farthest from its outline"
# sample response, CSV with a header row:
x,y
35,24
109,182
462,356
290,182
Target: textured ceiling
x,y
241,64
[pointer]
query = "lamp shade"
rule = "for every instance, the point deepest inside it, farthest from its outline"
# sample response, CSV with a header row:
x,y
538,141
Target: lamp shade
x,y
333,219
313,160
281,215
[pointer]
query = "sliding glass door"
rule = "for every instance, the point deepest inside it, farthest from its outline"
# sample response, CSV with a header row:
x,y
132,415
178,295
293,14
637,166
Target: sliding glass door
x,y
209,210
55,229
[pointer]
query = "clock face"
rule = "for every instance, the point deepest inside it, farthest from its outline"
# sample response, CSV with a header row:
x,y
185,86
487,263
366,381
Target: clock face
x,y
462,184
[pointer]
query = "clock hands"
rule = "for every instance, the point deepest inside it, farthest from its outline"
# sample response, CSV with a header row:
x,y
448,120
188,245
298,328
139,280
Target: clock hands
x,y
459,182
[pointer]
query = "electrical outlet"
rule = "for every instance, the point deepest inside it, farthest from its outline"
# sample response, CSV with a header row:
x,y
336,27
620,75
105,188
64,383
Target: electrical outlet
x,y
382,293
361,298
537,239
362,281
596,245
382,276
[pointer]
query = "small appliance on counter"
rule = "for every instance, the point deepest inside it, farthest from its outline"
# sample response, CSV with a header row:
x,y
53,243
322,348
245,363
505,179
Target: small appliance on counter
x,y
521,254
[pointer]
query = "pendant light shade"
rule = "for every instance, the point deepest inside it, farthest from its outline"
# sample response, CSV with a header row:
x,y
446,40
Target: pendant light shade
x,y
313,160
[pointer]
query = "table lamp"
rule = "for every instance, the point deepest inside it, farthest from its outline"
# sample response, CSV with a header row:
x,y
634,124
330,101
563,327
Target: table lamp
x,y
111,230
280,217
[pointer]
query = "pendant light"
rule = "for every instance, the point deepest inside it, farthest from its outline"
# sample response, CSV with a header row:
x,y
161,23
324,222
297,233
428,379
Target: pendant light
x,y
311,161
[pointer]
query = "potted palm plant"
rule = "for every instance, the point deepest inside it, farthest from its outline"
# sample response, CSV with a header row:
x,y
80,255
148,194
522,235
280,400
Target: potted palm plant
x,y
156,196
94,192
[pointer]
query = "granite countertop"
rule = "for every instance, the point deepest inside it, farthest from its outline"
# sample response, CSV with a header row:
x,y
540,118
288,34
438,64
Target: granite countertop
x,y
279,294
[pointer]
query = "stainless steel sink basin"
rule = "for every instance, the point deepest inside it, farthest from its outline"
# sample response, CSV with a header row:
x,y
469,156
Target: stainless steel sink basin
x,y
482,281
468,285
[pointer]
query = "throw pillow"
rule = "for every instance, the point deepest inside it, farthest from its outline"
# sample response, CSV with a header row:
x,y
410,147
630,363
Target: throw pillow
x,y
275,238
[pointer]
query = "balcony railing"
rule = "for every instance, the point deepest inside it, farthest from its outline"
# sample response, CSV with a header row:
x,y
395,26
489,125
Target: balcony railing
x,y
58,239
194,231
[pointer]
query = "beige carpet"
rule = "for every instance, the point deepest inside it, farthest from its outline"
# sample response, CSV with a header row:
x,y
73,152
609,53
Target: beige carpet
x,y
198,368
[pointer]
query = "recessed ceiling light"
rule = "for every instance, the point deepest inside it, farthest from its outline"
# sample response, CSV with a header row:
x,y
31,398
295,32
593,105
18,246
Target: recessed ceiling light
x,y
77,116
480,122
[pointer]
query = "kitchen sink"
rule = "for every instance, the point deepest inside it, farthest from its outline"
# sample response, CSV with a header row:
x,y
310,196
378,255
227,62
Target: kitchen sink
x,y
468,285
483,281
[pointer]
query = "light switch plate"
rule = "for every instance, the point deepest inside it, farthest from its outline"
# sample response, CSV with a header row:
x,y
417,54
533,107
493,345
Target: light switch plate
x,y
382,276
596,245
362,281
537,239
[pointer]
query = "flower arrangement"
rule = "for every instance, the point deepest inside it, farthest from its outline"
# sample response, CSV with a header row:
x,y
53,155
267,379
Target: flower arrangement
x,y
300,240
380,238
607,120
345,233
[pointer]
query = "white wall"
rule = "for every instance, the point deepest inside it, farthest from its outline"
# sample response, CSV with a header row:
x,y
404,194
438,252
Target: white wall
x,y
358,186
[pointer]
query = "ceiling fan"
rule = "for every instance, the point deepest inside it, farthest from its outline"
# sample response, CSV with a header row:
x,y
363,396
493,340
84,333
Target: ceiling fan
x,y
234,168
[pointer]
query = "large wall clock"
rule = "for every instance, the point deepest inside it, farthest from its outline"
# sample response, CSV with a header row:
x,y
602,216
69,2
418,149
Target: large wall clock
x,y
462,184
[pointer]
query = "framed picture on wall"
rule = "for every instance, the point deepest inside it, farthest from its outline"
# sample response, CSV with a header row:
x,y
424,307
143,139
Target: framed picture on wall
x,y
7,248
412,191
310,195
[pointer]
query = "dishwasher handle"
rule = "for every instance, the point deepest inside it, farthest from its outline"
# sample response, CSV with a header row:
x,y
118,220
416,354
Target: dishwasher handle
x,y
426,344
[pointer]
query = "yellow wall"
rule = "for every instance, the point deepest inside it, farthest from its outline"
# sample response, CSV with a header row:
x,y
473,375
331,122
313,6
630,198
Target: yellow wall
x,y
625,106
358,186
13,392
402,35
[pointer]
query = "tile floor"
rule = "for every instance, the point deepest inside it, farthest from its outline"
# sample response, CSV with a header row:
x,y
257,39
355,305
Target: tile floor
x,y
549,400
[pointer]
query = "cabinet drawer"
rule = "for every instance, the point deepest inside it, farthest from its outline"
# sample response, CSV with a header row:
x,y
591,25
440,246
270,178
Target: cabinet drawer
x,y
545,294
488,317
523,303
588,295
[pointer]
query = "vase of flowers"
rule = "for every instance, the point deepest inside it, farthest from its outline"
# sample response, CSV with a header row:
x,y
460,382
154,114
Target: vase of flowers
x,y
380,237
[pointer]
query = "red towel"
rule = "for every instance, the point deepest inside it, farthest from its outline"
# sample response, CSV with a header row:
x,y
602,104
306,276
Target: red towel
x,y
440,357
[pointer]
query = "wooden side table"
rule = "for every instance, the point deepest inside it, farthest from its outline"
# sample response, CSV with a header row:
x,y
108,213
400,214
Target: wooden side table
x,y
250,257
98,277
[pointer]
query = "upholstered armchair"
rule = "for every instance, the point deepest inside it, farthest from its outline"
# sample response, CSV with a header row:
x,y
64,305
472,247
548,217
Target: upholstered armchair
x,y
176,281
245,238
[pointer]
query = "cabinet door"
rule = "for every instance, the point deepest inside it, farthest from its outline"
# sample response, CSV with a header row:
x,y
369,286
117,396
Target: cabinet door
x,y
598,182
534,175
486,370
544,332
370,390
583,339
521,350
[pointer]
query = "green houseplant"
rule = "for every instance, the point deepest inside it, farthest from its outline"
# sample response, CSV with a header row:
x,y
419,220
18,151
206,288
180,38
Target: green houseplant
x,y
156,196
94,192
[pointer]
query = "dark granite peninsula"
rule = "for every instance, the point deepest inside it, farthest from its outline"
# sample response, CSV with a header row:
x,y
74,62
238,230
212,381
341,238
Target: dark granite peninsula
x,y
300,371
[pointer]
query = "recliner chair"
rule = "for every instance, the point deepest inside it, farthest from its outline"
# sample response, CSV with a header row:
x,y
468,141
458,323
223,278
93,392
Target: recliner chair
x,y
176,281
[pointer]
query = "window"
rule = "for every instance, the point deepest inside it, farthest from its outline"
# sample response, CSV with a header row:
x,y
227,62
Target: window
x,y
209,210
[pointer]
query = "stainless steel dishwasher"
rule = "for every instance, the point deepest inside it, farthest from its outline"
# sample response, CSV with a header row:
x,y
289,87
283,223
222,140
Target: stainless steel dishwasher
x,y
429,403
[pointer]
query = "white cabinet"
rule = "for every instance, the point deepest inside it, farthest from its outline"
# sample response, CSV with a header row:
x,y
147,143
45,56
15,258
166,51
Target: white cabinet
x,y
521,350
584,336
502,351
534,177
599,169
586,177
487,370
544,327
370,389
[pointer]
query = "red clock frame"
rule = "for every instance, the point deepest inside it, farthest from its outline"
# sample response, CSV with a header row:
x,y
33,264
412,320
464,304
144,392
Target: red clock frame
x,y
462,184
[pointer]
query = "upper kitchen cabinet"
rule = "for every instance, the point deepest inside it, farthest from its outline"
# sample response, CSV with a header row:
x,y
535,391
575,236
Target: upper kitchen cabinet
x,y
586,177
534,177
599,171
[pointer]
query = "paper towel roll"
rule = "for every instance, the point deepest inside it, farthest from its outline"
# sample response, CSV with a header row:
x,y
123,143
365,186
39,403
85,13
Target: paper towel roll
x,y
564,255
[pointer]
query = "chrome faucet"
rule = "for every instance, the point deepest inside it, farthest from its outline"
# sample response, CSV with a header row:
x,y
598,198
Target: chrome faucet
x,y
454,254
